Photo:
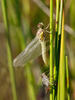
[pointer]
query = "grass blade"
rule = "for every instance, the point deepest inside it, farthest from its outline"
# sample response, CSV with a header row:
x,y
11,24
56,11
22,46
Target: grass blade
x,y
67,76
51,47
11,68
62,64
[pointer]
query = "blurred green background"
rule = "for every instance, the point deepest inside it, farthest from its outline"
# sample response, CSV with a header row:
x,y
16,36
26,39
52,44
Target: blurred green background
x,y
23,17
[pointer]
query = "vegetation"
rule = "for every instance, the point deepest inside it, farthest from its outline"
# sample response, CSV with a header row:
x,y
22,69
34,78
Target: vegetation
x,y
20,20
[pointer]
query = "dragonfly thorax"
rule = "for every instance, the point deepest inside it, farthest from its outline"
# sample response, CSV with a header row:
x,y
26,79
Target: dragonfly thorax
x,y
41,34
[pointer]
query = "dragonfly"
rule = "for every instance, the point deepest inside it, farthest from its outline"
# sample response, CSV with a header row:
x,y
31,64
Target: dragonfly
x,y
39,45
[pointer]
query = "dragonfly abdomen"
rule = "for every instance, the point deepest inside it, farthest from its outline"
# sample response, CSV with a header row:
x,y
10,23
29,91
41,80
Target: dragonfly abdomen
x,y
44,55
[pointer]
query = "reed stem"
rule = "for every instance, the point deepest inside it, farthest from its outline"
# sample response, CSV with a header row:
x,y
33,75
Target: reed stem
x,y
62,62
51,47
56,48
22,41
9,55
67,76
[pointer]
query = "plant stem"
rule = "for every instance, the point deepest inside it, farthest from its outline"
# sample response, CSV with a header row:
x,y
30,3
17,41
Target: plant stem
x,y
11,68
62,63
22,41
12,74
60,18
67,76
51,47
56,54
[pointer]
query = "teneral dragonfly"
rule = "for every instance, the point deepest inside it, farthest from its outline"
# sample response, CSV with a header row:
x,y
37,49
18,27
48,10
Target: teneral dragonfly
x,y
37,47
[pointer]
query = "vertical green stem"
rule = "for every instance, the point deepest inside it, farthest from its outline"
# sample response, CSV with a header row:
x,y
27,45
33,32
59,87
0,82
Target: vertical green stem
x,y
58,90
30,88
60,18
51,46
58,44
22,41
11,68
56,30
62,64
12,74
56,41
67,76
60,27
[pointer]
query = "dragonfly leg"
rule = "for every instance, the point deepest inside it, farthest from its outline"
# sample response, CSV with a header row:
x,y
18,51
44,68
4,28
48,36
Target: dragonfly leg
x,y
47,26
47,31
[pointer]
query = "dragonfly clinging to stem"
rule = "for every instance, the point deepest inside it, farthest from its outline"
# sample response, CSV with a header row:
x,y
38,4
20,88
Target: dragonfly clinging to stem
x,y
37,46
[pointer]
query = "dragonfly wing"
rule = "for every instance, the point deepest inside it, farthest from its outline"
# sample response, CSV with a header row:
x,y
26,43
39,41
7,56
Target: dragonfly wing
x,y
32,51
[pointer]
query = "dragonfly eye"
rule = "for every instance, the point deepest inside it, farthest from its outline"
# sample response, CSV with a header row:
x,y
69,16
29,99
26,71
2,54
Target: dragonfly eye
x,y
40,25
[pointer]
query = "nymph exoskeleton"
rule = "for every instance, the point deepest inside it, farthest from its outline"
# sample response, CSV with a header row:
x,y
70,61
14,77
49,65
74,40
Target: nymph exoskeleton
x,y
46,82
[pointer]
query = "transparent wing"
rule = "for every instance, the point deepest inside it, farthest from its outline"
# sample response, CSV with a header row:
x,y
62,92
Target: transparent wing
x,y
32,51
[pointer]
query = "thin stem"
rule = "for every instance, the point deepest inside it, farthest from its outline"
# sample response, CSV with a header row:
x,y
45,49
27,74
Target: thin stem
x,y
67,76
60,18
11,68
51,46
61,55
56,41
59,30
22,41
62,63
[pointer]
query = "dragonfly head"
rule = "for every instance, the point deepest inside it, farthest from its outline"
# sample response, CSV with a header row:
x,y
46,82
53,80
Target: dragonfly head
x,y
40,25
